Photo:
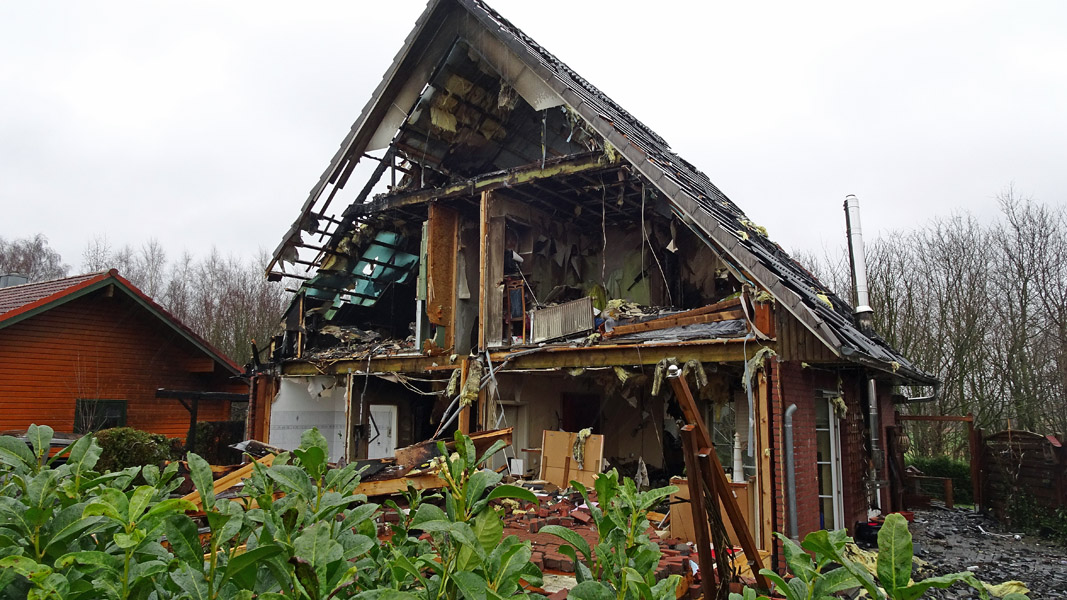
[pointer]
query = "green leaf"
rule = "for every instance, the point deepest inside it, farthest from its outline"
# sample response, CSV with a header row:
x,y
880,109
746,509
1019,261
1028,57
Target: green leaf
x,y
312,438
83,454
129,540
496,447
184,540
139,501
571,537
427,513
470,585
780,585
90,558
111,503
799,562
313,460
479,481
169,506
488,528
919,588
15,454
581,571
25,566
292,479
833,581
66,524
894,554
591,590
191,581
200,473
251,558
41,438
512,491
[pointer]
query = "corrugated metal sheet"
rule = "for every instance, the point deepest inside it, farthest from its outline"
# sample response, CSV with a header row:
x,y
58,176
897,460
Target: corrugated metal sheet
x,y
561,320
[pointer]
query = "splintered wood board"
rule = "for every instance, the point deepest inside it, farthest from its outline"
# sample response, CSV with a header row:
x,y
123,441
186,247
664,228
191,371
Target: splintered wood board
x,y
557,459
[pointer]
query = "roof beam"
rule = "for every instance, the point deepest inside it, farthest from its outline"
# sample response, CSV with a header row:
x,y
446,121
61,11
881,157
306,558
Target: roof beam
x,y
512,177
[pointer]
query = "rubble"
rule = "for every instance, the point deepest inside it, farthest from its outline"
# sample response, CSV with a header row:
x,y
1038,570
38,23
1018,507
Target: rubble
x,y
953,540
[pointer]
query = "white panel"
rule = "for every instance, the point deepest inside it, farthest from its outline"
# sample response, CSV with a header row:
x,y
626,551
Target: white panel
x,y
306,402
383,439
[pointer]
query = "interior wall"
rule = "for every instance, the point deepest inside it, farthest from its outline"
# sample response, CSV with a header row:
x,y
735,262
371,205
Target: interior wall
x,y
306,402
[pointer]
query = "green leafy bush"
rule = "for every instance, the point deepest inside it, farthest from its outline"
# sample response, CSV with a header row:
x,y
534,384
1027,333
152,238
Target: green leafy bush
x,y
625,559
942,466
297,532
124,447
813,580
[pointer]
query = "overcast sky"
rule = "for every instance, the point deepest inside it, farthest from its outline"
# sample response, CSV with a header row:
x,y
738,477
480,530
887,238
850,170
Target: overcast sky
x,y
206,123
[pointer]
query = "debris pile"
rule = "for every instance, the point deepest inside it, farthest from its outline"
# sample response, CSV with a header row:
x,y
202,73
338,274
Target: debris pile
x,y
960,540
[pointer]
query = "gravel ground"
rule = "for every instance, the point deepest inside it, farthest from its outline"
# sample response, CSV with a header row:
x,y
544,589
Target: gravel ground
x,y
953,541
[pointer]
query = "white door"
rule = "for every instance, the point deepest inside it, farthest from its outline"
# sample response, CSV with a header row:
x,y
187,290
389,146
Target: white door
x,y
382,431
512,415
828,465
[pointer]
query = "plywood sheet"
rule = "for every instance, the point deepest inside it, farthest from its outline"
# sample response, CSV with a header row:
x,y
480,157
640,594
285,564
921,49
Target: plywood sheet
x,y
557,460
681,525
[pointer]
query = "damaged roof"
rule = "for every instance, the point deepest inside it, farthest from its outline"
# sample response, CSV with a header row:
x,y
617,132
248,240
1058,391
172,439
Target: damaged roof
x,y
545,81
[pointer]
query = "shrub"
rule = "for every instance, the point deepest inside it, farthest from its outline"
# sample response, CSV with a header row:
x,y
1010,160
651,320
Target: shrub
x,y
124,447
942,466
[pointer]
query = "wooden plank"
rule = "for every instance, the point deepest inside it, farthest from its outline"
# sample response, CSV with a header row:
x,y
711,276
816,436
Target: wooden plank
x,y
464,419
422,481
698,510
721,558
441,250
224,483
733,511
494,290
766,487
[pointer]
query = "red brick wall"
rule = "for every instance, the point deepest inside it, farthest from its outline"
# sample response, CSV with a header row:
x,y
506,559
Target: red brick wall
x,y
102,348
795,384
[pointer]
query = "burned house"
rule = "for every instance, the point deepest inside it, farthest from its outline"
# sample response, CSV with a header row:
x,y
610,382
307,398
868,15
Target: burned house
x,y
497,243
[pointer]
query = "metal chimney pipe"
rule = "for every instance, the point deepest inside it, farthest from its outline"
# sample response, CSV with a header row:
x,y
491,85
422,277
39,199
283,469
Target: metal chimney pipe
x,y
857,261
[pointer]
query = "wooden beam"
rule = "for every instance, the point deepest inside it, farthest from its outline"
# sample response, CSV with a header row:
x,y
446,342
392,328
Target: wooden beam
x,y
611,355
464,424
708,580
414,363
764,445
422,481
566,165
722,486
549,357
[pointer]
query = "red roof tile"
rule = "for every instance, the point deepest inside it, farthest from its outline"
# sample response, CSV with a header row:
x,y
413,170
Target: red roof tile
x,y
17,296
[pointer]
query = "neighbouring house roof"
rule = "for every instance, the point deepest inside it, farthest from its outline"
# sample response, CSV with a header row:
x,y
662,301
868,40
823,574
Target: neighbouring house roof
x,y
21,302
693,198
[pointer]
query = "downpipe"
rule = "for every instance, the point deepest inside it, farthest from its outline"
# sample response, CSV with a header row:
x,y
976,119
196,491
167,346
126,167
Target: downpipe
x,y
791,472
876,446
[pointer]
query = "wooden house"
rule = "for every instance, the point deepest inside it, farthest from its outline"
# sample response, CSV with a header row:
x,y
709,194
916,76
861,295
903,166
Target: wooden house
x,y
92,351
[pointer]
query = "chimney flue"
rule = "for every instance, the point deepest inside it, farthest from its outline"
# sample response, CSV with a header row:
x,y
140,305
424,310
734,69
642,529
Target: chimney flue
x,y
858,263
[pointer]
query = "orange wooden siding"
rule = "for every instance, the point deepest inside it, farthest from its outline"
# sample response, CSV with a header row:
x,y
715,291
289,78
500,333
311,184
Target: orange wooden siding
x,y
106,348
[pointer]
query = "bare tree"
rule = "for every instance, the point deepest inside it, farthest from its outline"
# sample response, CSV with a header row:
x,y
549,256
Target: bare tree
x,y
32,257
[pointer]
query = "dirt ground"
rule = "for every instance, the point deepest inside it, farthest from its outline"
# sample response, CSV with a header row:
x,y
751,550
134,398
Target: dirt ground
x,y
953,541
